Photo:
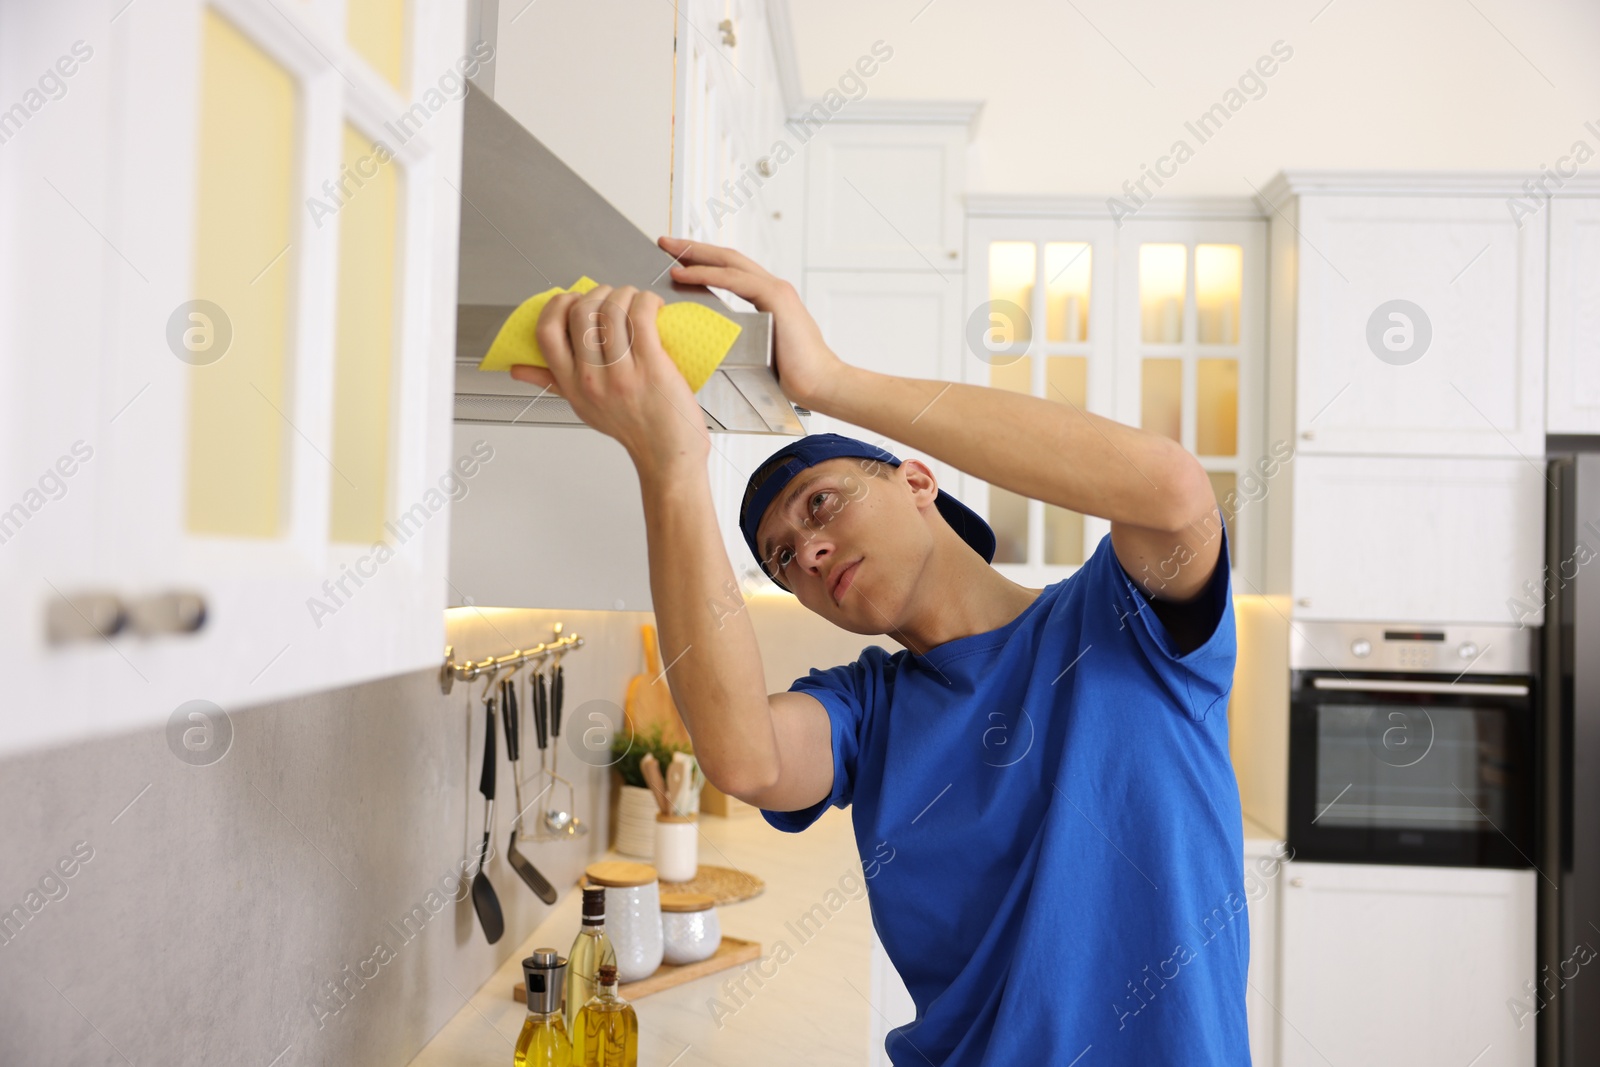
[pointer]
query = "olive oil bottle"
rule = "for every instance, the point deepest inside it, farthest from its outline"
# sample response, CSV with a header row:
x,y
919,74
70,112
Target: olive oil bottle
x,y
544,1041
590,951
607,1034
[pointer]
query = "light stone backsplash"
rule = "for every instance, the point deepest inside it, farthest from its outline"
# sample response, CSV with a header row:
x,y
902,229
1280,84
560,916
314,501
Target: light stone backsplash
x,y
289,904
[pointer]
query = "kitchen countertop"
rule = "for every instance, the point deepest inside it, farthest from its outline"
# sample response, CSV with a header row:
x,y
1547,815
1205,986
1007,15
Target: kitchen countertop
x,y
804,1013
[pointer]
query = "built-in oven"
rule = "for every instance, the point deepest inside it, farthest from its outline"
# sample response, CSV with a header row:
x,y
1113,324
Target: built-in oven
x,y
1412,744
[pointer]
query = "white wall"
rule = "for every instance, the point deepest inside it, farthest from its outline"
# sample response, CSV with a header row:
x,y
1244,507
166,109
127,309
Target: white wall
x,y
1419,84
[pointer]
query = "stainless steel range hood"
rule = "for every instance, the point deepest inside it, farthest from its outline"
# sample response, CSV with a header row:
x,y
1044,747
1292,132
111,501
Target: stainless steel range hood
x,y
528,223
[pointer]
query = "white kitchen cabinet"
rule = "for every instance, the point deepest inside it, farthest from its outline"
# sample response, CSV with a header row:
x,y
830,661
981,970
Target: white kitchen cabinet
x,y
1417,538
1390,966
1158,323
1573,404
882,196
258,451
737,179
906,323
1191,357
1263,885
1418,324
1040,315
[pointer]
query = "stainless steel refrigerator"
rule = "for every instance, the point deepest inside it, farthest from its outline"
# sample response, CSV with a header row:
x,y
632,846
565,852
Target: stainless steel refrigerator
x,y
1565,997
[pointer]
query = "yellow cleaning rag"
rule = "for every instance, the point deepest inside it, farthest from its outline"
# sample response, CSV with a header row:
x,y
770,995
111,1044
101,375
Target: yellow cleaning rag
x,y
694,336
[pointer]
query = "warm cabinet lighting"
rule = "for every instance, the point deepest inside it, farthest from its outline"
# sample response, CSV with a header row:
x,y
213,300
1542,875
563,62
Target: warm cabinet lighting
x,y
1163,276
1216,431
1218,279
1066,271
1011,277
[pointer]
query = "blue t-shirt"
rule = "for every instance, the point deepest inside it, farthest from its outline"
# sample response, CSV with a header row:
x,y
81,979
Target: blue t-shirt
x,y
1051,831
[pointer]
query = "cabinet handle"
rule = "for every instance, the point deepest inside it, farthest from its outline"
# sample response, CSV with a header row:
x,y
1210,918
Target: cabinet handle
x,y
765,167
83,617
1308,435
954,253
726,28
1304,602
1298,883
178,612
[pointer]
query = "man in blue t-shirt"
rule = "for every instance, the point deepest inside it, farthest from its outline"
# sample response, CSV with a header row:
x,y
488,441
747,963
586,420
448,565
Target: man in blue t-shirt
x,y
1040,777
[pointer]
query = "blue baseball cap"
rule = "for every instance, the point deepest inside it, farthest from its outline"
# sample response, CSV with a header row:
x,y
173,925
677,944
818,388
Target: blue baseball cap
x,y
781,468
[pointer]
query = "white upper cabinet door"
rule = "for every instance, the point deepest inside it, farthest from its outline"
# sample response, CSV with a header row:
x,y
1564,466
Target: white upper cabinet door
x,y
57,67
883,197
1418,539
1038,319
1389,966
274,468
1421,327
1574,368
904,323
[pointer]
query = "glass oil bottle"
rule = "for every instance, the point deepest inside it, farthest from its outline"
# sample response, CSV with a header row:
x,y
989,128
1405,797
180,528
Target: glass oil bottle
x,y
544,1041
607,1033
591,949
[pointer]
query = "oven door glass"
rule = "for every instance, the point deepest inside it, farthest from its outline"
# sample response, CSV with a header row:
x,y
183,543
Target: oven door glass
x,y
1411,777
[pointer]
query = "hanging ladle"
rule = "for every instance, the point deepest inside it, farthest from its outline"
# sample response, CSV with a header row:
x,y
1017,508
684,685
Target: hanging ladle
x,y
560,820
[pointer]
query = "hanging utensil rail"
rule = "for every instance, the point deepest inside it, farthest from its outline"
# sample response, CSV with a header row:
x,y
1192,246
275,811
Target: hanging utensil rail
x,y
470,669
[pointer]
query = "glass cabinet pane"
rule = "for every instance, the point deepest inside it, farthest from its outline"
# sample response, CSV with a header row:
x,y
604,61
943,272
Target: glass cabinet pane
x,y
1223,483
1218,280
1216,431
1008,512
377,30
1011,278
244,198
1066,268
1013,374
363,361
1008,515
1066,382
1161,397
1163,277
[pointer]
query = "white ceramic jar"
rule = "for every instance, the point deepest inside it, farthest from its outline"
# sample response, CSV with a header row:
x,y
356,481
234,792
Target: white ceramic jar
x,y
633,915
677,849
690,929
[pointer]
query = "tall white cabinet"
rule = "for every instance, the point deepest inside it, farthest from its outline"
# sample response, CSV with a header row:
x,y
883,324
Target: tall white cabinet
x,y
1573,404
1408,373
232,259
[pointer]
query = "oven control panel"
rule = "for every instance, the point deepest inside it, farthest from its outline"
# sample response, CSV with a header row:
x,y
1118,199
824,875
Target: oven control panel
x,y
1389,646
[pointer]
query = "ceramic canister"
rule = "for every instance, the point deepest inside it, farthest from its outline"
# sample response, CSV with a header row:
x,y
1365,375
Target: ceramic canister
x,y
690,928
633,915
677,853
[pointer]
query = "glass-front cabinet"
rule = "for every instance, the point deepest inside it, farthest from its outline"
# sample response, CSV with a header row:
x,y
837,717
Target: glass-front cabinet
x,y
1159,324
261,196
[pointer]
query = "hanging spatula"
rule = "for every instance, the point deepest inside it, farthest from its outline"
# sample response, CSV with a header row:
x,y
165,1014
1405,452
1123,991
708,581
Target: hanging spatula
x,y
483,894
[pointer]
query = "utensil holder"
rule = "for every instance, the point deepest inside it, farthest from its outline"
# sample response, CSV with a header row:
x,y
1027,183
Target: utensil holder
x,y
636,815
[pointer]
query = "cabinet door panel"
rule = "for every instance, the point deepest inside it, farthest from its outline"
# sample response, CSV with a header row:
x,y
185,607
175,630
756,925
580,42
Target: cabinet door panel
x,y
883,198
1396,966
211,303
900,323
55,405
1461,369
1574,369
1417,539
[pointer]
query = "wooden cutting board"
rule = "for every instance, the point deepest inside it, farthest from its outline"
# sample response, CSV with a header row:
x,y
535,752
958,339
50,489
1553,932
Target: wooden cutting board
x,y
649,700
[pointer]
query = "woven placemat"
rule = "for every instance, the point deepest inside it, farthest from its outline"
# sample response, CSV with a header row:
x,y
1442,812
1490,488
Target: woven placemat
x,y
722,884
